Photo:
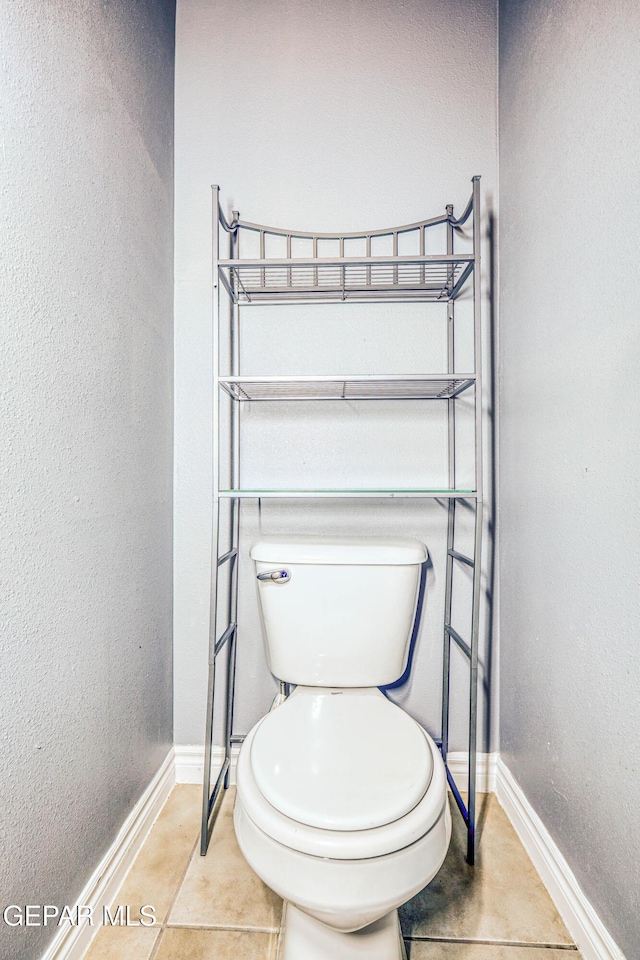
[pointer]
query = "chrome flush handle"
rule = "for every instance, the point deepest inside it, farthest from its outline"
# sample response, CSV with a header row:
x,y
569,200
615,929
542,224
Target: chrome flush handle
x,y
278,576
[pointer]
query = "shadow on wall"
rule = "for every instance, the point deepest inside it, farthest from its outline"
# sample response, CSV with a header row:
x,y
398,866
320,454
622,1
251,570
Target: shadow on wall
x,y
488,651
416,627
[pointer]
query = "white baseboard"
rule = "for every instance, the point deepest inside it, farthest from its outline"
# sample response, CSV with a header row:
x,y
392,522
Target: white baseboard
x,y
71,942
458,764
584,925
189,762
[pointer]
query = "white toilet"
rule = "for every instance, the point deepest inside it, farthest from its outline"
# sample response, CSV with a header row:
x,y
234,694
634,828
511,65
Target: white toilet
x,y
341,797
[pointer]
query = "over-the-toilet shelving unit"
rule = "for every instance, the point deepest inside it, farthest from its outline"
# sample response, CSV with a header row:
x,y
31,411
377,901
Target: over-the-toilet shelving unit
x,y
302,276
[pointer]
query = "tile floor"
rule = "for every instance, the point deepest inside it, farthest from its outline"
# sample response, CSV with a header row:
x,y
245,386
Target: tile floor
x,y
215,908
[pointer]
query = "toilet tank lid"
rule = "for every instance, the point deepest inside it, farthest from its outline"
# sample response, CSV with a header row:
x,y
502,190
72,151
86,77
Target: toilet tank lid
x,y
380,551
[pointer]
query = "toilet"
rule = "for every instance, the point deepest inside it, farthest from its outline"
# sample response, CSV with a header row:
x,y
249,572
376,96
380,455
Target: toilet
x,y
341,803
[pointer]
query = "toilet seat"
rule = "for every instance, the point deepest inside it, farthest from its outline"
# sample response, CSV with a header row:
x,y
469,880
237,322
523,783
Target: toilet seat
x,y
342,844
341,759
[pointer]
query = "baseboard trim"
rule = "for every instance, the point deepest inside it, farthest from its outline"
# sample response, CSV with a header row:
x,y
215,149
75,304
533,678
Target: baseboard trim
x,y
72,942
458,764
189,762
591,937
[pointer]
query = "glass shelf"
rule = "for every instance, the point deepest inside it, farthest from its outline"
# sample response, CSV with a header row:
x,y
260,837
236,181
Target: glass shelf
x,y
370,387
337,493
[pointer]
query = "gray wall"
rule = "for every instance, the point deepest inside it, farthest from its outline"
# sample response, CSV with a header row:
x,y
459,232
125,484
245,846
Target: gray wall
x,y
569,438
332,115
86,188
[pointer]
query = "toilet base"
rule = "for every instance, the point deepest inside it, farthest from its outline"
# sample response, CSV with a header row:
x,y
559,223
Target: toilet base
x,y
306,938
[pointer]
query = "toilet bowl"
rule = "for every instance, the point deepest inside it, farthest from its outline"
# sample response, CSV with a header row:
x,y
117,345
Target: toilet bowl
x,y
347,879
341,803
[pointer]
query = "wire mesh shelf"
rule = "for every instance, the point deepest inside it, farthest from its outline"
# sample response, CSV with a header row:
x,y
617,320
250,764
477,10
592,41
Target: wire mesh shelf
x,y
423,278
370,387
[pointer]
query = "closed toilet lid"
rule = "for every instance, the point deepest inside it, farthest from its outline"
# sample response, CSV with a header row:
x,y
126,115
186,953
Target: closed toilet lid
x,y
341,760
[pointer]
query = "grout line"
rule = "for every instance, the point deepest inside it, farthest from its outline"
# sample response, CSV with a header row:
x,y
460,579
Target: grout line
x,y
493,943
280,937
164,924
228,927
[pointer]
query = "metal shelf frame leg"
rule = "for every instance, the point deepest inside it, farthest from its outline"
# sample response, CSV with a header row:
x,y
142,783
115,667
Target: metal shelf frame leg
x,y
229,638
470,649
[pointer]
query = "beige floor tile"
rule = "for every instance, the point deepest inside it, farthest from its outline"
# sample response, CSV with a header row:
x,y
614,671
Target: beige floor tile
x,y
177,943
501,898
123,943
158,869
221,890
484,951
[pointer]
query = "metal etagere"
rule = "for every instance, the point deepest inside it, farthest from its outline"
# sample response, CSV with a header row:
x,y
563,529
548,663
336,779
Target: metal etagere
x,y
351,270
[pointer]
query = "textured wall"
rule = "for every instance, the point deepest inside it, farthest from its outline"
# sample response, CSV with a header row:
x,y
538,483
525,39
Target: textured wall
x,y
322,116
86,385
570,449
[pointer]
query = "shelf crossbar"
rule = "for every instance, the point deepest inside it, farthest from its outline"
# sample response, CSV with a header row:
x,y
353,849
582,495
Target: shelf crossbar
x,y
464,646
229,555
266,263
457,797
440,494
224,639
461,557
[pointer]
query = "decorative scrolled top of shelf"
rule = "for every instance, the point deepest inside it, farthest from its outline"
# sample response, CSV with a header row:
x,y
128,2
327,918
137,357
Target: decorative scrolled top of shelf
x,y
337,235
278,265
261,228
459,221
229,227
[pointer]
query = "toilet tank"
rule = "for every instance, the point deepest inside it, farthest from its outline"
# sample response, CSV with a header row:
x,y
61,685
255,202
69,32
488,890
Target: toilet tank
x,y
339,611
